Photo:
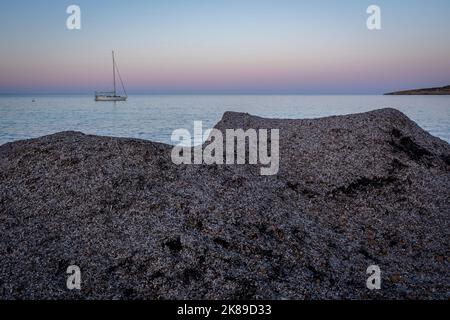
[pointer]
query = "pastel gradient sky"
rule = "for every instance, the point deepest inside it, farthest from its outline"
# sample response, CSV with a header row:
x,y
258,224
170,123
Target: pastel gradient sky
x,y
225,46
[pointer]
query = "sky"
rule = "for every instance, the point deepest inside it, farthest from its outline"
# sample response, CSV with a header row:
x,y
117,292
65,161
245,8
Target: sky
x,y
224,46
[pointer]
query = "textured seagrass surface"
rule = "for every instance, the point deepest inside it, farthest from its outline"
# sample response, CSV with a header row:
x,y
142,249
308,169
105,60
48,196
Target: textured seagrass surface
x,y
352,191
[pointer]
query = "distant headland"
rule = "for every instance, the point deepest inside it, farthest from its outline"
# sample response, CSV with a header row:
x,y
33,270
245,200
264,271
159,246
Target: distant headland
x,y
427,91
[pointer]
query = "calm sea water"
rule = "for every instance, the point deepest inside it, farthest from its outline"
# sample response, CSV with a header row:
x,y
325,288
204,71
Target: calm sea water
x,y
155,117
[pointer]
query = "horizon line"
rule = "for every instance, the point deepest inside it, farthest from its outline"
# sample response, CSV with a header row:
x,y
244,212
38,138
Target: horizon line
x,y
197,94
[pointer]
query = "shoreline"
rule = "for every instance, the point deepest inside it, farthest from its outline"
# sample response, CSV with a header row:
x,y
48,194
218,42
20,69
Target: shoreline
x,y
352,191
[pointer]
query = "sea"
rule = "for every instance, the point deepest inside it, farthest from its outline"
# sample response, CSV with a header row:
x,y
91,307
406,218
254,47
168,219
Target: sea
x,y
155,117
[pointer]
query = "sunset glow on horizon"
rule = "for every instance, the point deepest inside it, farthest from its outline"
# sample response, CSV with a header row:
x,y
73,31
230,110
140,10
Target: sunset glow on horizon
x,y
309,47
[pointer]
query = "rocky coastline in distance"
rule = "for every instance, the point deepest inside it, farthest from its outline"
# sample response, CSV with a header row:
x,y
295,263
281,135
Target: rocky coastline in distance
x,y
425,92
352,191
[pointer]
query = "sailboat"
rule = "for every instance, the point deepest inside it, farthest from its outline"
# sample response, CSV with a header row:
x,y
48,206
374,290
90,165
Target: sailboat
x,y
112,96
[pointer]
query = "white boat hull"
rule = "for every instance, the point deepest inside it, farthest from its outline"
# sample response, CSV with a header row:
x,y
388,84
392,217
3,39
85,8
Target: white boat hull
x,y
110,98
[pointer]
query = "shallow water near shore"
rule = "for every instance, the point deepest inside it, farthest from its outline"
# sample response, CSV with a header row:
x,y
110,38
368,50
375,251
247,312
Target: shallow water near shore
x,y
154,117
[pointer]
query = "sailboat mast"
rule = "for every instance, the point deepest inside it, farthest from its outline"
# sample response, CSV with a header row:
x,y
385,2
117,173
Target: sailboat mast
x,y
114,73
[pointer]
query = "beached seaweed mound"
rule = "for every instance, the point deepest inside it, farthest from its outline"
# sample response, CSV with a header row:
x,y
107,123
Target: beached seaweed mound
x,y
352,191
